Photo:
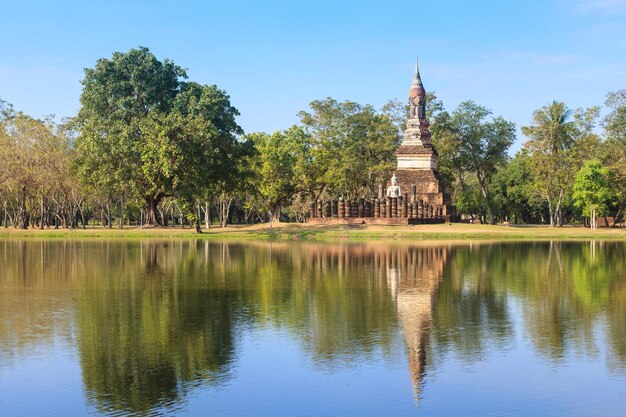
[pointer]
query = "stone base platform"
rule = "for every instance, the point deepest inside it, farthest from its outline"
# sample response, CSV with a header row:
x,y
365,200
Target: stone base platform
x,y
373,220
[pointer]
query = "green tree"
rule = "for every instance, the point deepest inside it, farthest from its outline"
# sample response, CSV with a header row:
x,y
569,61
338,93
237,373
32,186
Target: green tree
x,y
615,146
37,185
513,184
552,137
140,126
615,121
480,143
592,190
351,147
468,200
273,167
450,163
6,110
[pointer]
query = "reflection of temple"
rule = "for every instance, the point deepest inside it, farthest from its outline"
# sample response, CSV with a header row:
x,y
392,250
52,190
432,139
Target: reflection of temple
x,y
152,320
412,273
413,277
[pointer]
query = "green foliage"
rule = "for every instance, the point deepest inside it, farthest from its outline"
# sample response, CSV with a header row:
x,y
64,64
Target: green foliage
x,y
274,166
615,121
513,187
474,141
351,148
150,145
614,146
552,136
469,202
592,189
6,110
37,185
144,131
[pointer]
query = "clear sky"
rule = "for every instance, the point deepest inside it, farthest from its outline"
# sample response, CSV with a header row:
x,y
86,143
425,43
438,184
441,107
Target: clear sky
x,y
274,57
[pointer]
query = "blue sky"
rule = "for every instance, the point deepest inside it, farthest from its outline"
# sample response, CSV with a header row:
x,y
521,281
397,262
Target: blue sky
x,y
274,57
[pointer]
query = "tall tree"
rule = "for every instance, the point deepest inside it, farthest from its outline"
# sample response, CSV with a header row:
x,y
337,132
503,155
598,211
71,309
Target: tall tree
x,y
273,166
140,126
615,121
552,137
36,181
352,146
592,191
513,182
615,146
480,143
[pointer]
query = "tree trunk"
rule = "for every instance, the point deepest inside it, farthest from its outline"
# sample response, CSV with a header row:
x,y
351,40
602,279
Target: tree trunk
x,y
108,216
122,210
550,211
207,215
225,201
557,211
23,217
485,192
594,224
274,215
42,214
152,219
615,219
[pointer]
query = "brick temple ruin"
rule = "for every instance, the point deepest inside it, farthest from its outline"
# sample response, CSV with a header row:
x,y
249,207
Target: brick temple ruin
x,y
414,195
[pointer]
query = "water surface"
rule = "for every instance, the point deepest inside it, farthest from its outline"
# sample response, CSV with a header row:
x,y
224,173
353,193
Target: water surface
x,y
180,327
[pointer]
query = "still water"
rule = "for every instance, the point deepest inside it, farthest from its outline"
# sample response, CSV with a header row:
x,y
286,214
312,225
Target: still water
x,y
312,329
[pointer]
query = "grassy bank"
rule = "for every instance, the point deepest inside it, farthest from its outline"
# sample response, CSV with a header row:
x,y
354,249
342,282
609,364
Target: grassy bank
x,y
319,232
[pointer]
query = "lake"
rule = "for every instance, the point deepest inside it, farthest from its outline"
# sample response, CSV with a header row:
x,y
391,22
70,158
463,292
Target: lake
x,y
203,327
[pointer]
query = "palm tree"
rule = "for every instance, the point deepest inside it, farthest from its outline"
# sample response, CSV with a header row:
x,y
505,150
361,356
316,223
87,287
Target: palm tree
x,y
552,135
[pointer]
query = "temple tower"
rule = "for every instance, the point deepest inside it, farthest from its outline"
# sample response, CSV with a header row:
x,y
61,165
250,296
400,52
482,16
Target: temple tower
x,y
417,158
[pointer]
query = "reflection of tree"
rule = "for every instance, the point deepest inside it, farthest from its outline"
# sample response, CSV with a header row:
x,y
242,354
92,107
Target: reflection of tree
x,y
142,341
569,289
34,306
330,296
470,313
154,318
566,289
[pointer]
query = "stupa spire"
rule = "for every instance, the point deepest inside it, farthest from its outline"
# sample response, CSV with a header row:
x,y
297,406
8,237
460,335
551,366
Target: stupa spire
x,y
417,80
417,88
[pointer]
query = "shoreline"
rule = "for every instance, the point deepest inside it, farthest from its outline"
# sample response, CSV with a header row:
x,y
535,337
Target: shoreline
x,y
295,231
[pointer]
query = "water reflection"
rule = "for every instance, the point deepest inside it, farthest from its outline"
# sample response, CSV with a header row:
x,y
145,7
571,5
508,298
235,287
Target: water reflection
x,y
413,277
153,320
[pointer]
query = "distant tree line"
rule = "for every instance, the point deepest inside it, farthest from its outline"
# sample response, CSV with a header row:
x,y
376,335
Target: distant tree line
x,y
564,172
149,147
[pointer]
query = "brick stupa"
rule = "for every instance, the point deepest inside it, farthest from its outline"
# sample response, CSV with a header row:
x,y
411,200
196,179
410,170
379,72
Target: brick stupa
x,y
416,198
417,158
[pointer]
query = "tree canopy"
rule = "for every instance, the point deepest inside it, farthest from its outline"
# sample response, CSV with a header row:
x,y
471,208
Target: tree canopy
x,y
143,130
552,137
477,143
149,147
351,149
592,190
